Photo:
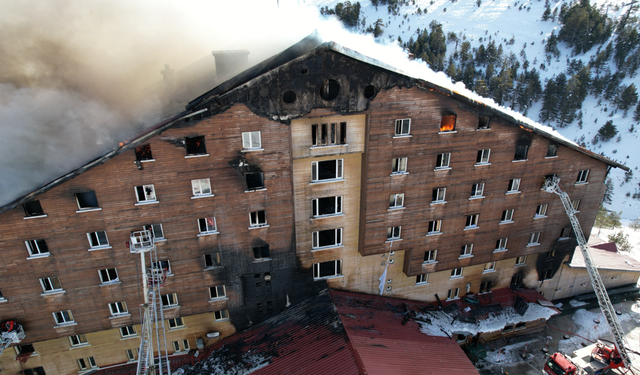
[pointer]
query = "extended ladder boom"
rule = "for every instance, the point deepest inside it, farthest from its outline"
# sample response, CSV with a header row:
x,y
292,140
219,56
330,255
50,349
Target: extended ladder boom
x,y
552,185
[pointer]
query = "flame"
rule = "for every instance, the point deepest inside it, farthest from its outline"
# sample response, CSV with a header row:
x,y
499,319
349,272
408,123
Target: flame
x,y
448,123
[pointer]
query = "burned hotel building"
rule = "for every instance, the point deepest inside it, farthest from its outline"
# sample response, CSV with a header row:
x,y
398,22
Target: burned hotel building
x,y
317,168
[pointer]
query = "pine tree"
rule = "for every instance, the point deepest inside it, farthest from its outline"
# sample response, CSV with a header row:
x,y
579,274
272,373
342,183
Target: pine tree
x,y
607,131
481,88
627,98
549,101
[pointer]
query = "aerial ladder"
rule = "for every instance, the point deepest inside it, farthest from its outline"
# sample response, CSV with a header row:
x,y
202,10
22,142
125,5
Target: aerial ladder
x,y
152,337
10,333
617,356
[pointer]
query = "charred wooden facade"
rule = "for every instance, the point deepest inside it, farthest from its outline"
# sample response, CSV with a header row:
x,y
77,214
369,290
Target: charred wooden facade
x,y
318,167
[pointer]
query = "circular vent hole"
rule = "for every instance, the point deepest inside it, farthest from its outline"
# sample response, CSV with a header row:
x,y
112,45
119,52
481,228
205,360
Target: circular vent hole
x,y
289,96
330,89
369,92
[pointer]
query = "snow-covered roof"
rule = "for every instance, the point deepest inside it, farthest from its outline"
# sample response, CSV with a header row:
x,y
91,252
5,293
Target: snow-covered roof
x,y
606,257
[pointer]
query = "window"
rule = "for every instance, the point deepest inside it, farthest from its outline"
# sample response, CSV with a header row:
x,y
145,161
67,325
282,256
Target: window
x,y
156,231
326,238
490,267
255,180
326,206
169,300
456,272
582,176
442,161
261,252
87,363
507,216
396,200
393,233
472,221
87,200
541,210
32,209
547,274
448,123
453,293
201,187
430,256
118,308
251,140
466,251
521,325
508,328
434,227
185,346
218,291
108,275
403,126
37,248
207,225
175,323
258,218
127,331
78,340
485,287
534,239
477,190
576,205
327,269
522,260
501,244
552,150
551,254
161,266
195,145
326,170
143,153
399,165
514,186
63,317
51,284
212,260
131,356
565,233
438,195
221,315
145,193
522,148
483,157
422,278
483,122
98,239
329,134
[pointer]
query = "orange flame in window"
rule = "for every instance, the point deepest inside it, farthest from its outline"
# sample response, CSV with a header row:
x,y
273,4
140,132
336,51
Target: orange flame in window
x,y
448,123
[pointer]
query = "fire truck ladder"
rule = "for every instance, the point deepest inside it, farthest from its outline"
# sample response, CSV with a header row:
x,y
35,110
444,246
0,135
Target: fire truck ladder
x,y
552,185
153,329
10,333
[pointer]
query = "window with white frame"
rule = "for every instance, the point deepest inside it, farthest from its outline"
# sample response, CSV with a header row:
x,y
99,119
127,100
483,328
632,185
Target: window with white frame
x,y
583,176
128,331
422,278
326,170
565,233
453,293
169,300
576,205
501,244
63,317
201,187
156,231
98,239
108,275
212,260
466,251
435,227
396,200
430,256
175,323
393,233
442,161
326,206
472,221
329,134
218,291
78,340
118,308
326,238
87,200
438,195
477,190
541,210
507,216
131,355
456,273
552,150
181,346
145,193
399,165
521,260
514,185
160,267
534,239
403,127
328,269
483,156
220,315
490,267
87,363
251,140
207,225
37,247
258,218
51,284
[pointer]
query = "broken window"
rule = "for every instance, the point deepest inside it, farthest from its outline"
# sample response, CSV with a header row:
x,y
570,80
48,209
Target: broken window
x,y
552,150
403,126
108,275
521,325
508,328
87,363
434,227
217,291
438,195
87,200
175,323
430,256
37,248
330,89
534,239
507,216
326,206
201,187
522,148
255,180
326,238
98,239
466,251
78,340
547,273
145,193
514,186
442,161
51,284
456,272
501,244
258,218
195,145
63,317
448,123
582,176
576,205
261,252
169,300
565,233
521,260
393,233
422,278
399,166
551,254
207,225
483,122
32,209
251,141
212,260
483,156
516,280
220,315
472,221
118,308
327,269
156,231
127,331
541,210
453,293
485,287
326,170
34,371
329,134
490,267
477,190
396,200
144,153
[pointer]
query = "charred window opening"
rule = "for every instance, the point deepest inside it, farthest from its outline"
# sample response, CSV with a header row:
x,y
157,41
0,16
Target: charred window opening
x,y
369,92
33,208
483,122
516,281
35,370
143,153
87,200
327,206
547,178
448,123
304,71
195,145
547,273
26,349
326,170
327,238
486,286
329,134
522,148
552,150
261,252
565,233
289,96
255,180
521,325
212,260
330,89
328,269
